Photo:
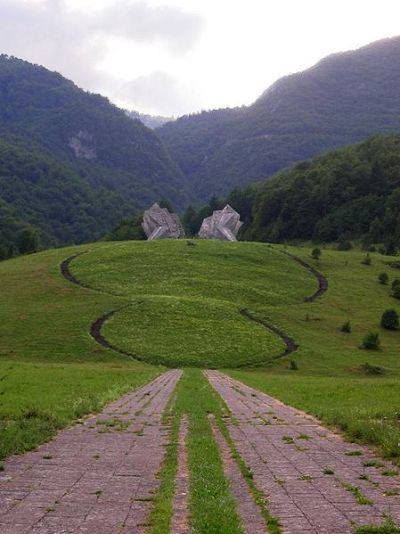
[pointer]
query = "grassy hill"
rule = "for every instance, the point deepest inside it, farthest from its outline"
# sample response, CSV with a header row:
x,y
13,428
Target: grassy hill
x,y
184,300
343,99
179,304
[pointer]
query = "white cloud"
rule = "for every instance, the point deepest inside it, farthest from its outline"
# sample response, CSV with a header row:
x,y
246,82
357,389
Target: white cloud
x,y
169,26
158,92
75,42
198,53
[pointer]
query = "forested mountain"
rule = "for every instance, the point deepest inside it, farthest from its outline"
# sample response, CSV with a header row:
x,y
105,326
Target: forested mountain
x,y
343,99
351,193
71,163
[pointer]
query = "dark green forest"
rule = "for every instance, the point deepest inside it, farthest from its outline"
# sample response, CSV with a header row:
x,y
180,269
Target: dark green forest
x,y
50,199
351,193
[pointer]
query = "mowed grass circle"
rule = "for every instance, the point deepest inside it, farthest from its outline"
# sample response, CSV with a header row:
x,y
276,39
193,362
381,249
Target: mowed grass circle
x,y
184,298
250,275
179,332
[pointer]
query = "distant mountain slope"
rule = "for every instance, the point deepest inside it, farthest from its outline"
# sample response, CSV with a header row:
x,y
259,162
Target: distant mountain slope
x,y
151,121
37,191
351,193
343,99
107,165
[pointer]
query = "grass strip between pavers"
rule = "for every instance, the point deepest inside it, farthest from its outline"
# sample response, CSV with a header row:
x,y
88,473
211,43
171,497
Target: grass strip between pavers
x,y
212,506
161,514
258,496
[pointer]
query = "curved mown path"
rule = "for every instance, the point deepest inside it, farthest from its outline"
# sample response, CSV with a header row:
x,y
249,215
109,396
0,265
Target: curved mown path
x,y
95,332
66,271
322,280
96,327
291,345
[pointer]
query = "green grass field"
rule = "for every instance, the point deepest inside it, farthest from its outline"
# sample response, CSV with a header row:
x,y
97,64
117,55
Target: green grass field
x,y
331,381
179,306
51,371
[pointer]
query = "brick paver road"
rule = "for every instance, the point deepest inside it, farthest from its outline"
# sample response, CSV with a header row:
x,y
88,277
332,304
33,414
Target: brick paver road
x,y
313,479
97,477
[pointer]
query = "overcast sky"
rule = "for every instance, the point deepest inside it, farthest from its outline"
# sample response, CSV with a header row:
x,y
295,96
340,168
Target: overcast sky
x,y
172,57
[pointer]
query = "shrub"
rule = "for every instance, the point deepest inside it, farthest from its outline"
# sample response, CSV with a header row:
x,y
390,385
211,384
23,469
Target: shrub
x,y
369,369
371,341
28,241
346,327
390,320
316,253
293,365
396,292
383,278
368,247
391,248
367,260
393,264
396,288
344,244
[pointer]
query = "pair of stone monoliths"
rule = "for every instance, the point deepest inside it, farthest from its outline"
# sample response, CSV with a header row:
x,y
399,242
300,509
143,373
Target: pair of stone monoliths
x,y
159,223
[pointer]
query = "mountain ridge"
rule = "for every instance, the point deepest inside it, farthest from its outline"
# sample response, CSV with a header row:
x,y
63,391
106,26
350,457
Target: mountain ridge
x,y
343,99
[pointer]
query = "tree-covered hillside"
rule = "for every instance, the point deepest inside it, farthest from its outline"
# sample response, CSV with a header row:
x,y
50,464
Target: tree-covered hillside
x,y
71,163
343,99
41,194
351,193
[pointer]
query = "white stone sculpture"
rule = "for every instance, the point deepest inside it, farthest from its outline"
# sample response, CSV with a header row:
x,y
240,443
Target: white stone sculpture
x,y
159,223
223,224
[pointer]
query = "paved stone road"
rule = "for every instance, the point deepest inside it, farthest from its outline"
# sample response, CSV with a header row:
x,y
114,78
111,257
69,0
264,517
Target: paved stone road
x,y
302,467
97,477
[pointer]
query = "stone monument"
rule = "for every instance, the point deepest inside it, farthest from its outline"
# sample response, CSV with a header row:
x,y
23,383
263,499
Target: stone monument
x,y
223,224
159,223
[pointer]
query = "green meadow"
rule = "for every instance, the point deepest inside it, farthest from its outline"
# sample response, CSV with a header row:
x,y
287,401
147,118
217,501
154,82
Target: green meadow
x,y
332,379
178,304
51,371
